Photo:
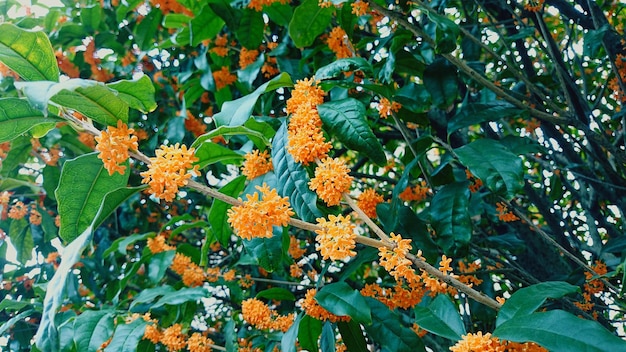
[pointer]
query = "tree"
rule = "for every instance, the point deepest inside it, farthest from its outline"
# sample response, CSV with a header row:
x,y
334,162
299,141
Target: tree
x,y
266,175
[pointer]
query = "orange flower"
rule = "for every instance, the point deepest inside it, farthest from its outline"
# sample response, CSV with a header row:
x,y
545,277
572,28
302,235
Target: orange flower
x,y
475,342
157,245
307,144
386,108
256,218
339,43
173,338
294,248
259,315
269,68
306,94
395,260
87,139
152,333
533,5
113,145
256,164
168,171
35,216
18,211
180,263
416,193
194,125
193,276
295,270
331,180
444,265
199,343
223,78
314,310
359,8
368,200
336,239
247,57
504,214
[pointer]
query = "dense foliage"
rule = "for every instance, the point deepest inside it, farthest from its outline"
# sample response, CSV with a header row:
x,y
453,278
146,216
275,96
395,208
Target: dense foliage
x,y
312,175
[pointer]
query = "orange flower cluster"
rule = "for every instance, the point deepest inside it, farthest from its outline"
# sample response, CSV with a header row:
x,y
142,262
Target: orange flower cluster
x,y
469,269
306,142
66,65
157,245
395,260
295,270
331,180
174,339
87,139
18,211
257,5
386,108
314,310
113,145
620,65
35,216
259,315
171,6
191,273
223,78
504,214
256,218
416,193
475,183
168,170
360,8
5,71
294,248
534,5
486,343
220,48
592,286
194,125
368,200
247,57
269,68
90,57
336,239
256,164
339,43
399,297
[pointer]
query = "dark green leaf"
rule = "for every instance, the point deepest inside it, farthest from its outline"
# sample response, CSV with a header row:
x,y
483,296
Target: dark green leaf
x,y
279,13
150,294
341,299
250,30
388,331
441,317
309,20
593,40
277,293
138,94
114,199
327,340
12,305
309,332
352,336
238,111
120,244
267,252
494,164
560,331
22,239
127,336
446,33
440,79
18,154
293,179
28,53
475,113
450,216
158,265
91,16
210,153
217,214
414,97
205,25
337,68
526,300
146,30
181,296
92,328
346,120
83,185
17,116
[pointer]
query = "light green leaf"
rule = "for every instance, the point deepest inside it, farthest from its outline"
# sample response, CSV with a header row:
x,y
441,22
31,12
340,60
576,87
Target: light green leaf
x,y
526,300
138,94
91,16
146,30
338,67
560,331
238,111
127,336
22,239
341,299
120,244
494,164
293,179
175,20
205,25
441,317
83,185
12,305
210,153
92,99
150,294
288,341
475,113
92,328
388,331
450,217
276,293
9,323
181,296
309,332
17,116
346,120
28,53
158,265
217,215
309,20
250,29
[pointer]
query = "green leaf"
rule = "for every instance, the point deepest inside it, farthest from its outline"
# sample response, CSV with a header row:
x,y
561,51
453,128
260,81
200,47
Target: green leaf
x,y
114,199
276,293
293,179
92,328
475,113
205,25
28,53
127,336
441,317
327,339
560,331
146,30
22,239
176,20
309,332
337,68
83,185
18,154
450,217
138,93
494,164
12,305
17,116
255,136
217,215
250,30
150,294
352,336
120,244
181,296
440,80
446,32
346,120
388,331
309,20
267,252
288,341
9,323
341,299
158,265
526,300
90,17
238,111
279,13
